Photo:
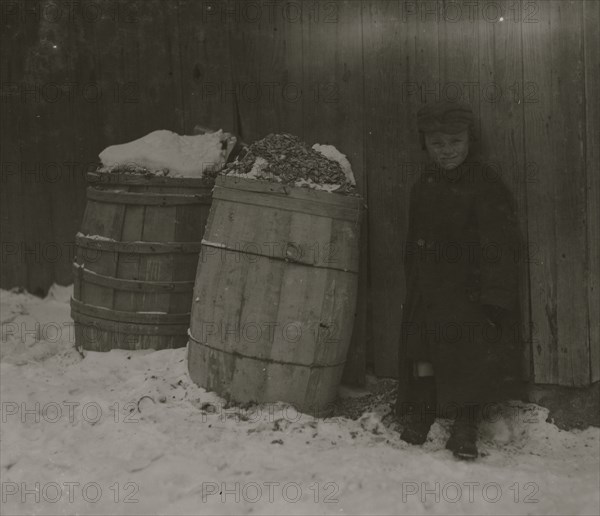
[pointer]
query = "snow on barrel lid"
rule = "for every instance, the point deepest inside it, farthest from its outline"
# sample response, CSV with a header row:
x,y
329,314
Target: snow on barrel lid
x,y
187,156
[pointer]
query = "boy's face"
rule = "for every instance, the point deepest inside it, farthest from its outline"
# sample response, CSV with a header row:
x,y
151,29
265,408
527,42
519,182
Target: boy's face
x,y
447,150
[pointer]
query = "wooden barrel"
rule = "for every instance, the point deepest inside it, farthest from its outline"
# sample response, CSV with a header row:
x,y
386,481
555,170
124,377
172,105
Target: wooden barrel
x,y
275,294
136,259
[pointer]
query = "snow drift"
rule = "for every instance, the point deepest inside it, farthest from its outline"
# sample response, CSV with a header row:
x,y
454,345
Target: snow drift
x,y
128,433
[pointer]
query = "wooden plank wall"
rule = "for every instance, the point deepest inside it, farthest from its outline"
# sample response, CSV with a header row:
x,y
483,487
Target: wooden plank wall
x,y
591,47
351,73
385,149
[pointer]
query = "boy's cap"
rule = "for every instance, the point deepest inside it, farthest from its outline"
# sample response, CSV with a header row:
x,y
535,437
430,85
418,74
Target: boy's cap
x,y
444,117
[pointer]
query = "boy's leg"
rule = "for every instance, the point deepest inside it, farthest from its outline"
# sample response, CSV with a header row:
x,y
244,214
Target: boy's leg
x,y
424,369
418,412
467,387
463,436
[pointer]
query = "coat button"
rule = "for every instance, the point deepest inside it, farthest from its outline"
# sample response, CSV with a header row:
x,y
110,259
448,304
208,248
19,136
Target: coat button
x,y
420,242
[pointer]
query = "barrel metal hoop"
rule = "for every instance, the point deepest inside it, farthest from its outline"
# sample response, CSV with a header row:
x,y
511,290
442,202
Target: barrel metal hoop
x,y
138,246
265,200
289,191
279,258
124,178
268,360
131,285
175,330
129,317
146,198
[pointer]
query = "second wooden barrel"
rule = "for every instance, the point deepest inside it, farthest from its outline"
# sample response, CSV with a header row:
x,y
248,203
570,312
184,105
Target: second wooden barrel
x,y
275,294
136,259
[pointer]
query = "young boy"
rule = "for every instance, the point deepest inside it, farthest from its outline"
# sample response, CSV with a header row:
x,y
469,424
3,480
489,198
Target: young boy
x,y
460,329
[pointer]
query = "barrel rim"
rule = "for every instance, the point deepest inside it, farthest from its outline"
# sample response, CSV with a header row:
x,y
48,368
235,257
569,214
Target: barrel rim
x,y
296,192
137,246
125,178
94,193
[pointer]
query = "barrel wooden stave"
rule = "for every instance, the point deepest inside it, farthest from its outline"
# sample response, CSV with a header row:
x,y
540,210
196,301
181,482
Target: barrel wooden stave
x,y
294,316
96,337
124,221
303,236
237,290
246,380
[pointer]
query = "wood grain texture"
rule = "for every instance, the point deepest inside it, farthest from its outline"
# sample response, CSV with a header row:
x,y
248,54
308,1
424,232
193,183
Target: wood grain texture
x,y
206,74
502,152
280,68
266,327
568,110
557,198
143,277
41,67
541,180
388,56
246,91
591,21
13,270
333,113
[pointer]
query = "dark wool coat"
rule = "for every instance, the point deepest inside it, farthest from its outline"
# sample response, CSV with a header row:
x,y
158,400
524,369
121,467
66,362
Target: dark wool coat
x,y
462,252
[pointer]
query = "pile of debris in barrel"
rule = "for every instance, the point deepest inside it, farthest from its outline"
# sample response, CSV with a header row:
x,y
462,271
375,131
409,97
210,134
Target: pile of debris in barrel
x,y
284,158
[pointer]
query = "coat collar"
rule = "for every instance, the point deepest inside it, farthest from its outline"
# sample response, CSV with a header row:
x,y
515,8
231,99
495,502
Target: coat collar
x,y
434,173
454,176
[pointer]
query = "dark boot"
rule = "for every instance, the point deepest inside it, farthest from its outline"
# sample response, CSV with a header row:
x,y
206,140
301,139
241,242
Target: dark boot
x,y
463,437
419,414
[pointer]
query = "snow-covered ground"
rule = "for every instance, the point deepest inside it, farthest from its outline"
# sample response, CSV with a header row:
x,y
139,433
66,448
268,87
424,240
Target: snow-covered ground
x,y
128,433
